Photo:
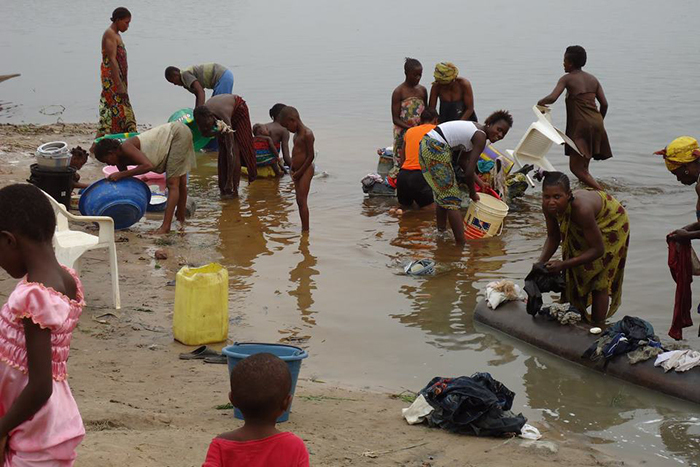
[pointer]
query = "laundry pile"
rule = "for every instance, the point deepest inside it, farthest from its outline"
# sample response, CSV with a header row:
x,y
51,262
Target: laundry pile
x,y
377,185
475,405
632,336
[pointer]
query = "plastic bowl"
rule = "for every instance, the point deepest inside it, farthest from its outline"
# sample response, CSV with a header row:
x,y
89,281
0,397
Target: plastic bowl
x,y
124,201
290,354
110,169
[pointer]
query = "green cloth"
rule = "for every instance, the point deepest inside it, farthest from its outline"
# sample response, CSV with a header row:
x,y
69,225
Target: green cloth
x,y
208,75
435,158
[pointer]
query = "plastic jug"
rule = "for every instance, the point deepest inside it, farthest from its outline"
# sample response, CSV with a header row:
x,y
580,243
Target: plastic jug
x,y
201,305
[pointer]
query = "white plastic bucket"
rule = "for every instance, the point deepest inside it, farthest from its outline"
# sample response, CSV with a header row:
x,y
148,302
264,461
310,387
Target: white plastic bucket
x,y
53,155
484,218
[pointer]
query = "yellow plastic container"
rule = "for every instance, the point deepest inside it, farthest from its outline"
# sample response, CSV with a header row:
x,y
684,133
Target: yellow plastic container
x,y
201,305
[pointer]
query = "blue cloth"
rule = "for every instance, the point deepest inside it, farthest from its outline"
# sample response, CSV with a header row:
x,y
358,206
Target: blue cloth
x,y
225,84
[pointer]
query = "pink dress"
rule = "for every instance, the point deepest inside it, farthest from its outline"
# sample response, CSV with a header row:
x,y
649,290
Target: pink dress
x,y
50,437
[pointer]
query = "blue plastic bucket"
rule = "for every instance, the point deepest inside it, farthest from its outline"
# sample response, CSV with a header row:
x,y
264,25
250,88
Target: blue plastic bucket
x,y
124,201
290,354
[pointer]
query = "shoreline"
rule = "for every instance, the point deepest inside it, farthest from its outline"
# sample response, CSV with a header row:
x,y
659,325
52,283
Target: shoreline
x,y
142,406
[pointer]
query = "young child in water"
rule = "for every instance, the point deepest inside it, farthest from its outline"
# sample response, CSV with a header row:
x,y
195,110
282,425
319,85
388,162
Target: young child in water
x,y
39,419
302,160
260,386
265,151
584,122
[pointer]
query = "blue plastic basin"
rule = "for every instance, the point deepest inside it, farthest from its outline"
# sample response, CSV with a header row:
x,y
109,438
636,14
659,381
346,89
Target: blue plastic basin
x,y
124,201
290,354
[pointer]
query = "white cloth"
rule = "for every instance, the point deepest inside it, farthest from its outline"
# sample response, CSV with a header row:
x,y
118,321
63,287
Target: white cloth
x,y
457,133
680,360
530,432
417,412
500,292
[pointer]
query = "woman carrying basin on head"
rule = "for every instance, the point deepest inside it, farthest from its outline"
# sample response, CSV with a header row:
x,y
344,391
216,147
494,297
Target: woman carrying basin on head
x,y
435,158
592,228
164,149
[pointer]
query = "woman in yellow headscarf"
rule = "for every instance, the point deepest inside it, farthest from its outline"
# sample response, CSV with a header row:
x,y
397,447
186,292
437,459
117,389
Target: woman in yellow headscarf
x,y
454,92
682,158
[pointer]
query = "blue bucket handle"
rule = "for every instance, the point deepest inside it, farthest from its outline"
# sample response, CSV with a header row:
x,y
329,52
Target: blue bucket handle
x,y
299,351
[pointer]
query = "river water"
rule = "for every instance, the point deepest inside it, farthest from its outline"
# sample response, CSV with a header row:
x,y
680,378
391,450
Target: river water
x,y
339,291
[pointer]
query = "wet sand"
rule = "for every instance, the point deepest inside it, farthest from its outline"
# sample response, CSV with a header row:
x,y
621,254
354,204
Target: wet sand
x,y
142,406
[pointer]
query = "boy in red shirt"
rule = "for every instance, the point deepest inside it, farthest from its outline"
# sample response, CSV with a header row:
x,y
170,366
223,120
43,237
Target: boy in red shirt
x,y
260,386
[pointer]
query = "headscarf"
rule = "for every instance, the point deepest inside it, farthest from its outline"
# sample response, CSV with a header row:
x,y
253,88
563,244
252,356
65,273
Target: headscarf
x,y
682,150
445,73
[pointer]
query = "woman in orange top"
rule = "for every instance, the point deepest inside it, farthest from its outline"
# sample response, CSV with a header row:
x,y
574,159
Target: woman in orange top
x,y
410,184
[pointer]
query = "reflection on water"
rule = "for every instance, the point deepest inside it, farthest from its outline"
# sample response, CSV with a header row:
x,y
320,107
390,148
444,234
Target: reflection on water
x,y
621,416
302,275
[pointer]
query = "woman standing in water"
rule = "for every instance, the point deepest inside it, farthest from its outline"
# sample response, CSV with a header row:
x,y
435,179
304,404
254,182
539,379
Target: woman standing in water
x,y
593,230
455,94
435,158
116,114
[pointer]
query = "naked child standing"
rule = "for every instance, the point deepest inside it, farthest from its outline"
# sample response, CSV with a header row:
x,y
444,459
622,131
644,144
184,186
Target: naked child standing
x,y
302,160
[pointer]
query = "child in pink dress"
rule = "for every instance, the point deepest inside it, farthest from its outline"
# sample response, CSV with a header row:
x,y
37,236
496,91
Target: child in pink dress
x,y
40,425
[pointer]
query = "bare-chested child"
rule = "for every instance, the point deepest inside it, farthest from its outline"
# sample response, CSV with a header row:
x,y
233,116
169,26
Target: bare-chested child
x,y
584,122
302,160
279,134
265,152
407,103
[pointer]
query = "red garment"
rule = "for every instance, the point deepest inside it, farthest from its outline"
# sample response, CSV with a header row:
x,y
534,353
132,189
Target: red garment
x,y
244,137
280,450
681,267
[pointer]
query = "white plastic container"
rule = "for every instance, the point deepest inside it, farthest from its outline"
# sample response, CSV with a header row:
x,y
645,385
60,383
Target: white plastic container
x,y
485,217
53,155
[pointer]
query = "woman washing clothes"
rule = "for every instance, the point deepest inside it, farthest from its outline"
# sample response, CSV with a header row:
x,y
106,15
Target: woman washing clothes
x,y
592,228
682,158
455,94
435,158
164,149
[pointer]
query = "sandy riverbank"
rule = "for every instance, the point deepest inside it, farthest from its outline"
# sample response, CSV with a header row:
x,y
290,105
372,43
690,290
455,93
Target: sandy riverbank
x,y
143,407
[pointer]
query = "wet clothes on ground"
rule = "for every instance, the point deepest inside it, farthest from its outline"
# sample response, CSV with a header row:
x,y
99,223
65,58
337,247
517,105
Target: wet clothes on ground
x,y
476,405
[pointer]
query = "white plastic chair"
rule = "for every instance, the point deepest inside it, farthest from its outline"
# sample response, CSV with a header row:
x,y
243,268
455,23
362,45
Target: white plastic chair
x,y
537,141
70,245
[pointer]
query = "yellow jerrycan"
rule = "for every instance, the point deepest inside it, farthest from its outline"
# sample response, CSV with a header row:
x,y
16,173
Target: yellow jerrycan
x,y
201,305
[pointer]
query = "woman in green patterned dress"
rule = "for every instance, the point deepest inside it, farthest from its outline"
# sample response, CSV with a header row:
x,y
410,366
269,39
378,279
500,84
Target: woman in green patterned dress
x,y
593,230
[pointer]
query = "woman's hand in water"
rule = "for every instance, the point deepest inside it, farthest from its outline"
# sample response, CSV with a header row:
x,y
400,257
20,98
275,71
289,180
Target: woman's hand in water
x,y
555,267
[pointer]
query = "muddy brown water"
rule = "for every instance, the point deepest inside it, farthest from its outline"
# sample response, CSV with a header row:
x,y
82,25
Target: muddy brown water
x,y
339,292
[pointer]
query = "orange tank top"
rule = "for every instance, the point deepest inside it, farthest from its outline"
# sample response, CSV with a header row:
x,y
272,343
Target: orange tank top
x,y
412,141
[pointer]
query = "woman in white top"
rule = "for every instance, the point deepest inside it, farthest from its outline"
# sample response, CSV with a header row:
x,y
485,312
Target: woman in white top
x,y
435,159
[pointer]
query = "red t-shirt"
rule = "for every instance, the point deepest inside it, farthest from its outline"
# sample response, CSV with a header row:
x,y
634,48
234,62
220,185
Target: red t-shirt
x,y
280,450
